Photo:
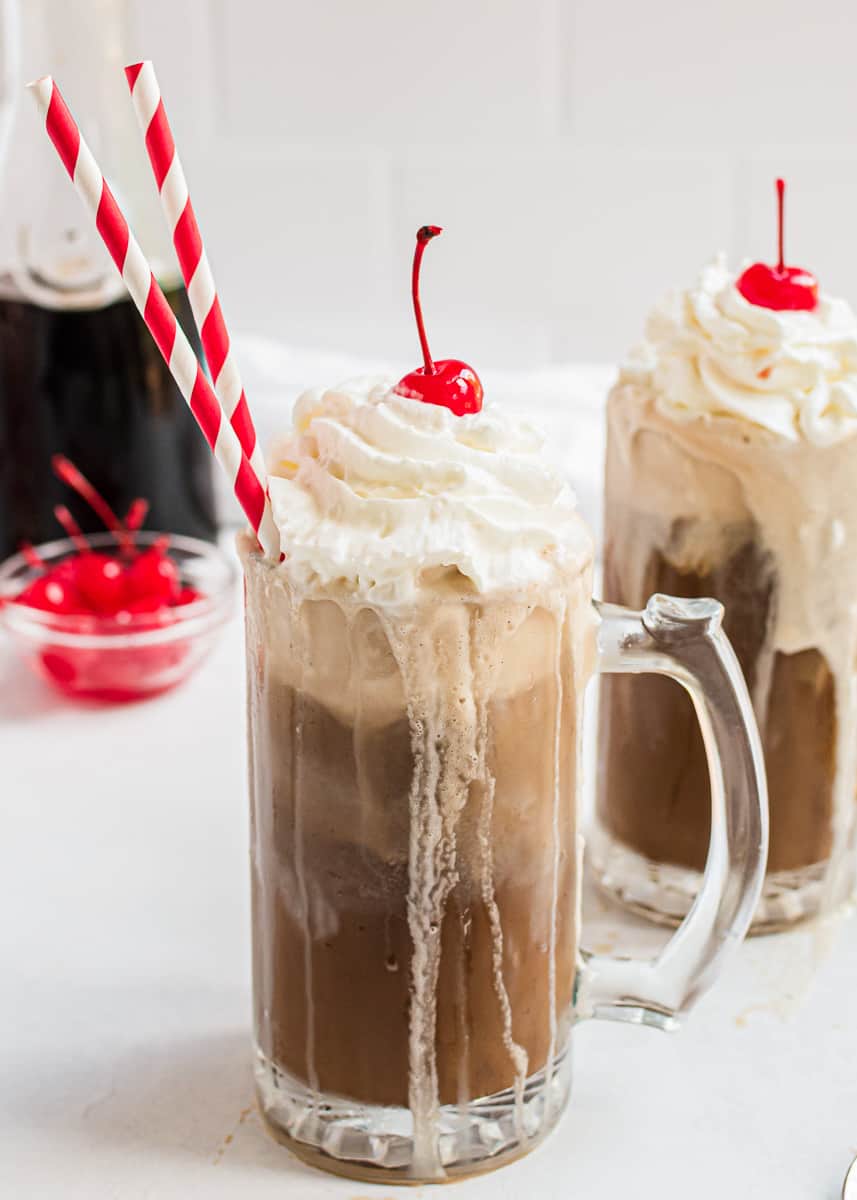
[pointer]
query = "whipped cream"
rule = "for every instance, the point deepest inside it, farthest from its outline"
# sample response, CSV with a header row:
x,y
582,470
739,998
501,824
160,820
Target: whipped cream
x,y
708,351
387,497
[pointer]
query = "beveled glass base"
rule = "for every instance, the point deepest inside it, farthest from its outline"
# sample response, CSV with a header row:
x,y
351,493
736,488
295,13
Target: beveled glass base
x,y
663,892
376,1144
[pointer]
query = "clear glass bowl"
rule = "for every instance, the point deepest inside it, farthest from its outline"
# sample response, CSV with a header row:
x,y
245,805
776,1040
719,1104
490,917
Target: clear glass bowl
x,y
89,657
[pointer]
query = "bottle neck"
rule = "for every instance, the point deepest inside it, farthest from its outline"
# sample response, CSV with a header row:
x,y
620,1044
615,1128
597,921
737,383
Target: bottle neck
x,y
50,252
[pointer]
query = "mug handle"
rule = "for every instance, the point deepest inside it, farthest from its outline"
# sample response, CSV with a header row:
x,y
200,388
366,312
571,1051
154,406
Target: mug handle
x,y
684,639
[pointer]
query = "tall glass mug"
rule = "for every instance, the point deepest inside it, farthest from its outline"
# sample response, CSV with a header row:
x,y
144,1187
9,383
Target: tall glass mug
x,y
416,860
731,468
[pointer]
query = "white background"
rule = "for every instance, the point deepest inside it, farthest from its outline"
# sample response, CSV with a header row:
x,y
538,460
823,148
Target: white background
x,y
584,155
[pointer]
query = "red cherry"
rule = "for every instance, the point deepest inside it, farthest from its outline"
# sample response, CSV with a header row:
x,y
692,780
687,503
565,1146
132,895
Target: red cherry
x,y
187,595
144,613
452,384
60,666
50,594
145,604
447,382
789,289
66,571
153,573
779,288
100,581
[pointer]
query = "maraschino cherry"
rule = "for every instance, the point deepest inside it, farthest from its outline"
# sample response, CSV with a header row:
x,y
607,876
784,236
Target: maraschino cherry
x,y
92,593
780,288
447,382
105,586
51,594
98,578
154,574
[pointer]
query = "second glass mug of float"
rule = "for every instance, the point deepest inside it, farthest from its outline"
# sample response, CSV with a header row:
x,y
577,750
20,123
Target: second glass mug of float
x,y
694,508
416,862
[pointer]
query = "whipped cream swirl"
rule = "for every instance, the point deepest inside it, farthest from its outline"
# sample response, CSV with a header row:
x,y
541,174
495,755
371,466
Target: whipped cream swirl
x,y
709,351
387,497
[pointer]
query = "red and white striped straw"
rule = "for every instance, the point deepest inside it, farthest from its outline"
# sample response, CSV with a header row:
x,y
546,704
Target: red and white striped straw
x,y
159,317
193,260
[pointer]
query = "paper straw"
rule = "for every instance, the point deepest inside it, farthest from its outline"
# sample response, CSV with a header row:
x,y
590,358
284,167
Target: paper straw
x,y
193,260
156,312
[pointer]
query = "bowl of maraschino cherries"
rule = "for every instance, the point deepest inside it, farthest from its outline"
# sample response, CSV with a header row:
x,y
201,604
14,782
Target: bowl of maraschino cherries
x,y
114,616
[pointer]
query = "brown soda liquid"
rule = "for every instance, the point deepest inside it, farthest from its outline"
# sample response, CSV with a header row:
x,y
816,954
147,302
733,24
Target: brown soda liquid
x,y
653,778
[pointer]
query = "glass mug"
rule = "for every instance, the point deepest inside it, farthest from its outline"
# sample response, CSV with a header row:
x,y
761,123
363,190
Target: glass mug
x,y
696,508
416,862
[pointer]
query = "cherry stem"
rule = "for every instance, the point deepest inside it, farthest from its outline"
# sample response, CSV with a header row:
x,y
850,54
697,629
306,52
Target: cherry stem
x,y
72,528
134,518
781,192
69,474
136,514
424,236
32,557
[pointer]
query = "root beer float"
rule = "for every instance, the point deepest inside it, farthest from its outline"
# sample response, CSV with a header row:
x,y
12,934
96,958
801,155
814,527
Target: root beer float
x,y
732,472
416,670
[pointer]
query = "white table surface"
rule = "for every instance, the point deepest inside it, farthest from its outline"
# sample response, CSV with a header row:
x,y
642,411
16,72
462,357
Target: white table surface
x,y
124,1006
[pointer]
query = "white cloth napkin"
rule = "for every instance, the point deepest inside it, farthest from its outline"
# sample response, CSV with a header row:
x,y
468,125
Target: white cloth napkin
x,y
566,401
